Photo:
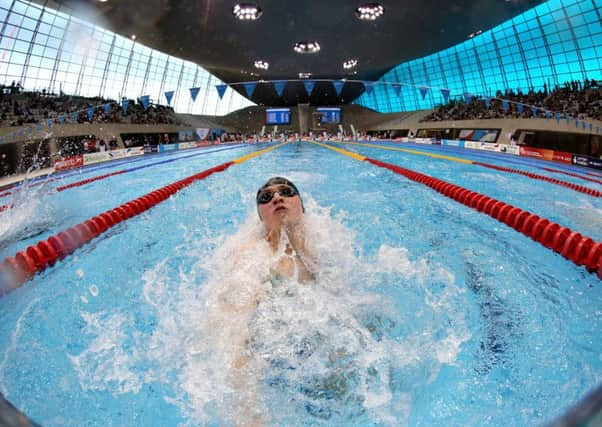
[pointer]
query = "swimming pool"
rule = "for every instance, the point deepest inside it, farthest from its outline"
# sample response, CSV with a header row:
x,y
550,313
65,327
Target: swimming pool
x,y
425,312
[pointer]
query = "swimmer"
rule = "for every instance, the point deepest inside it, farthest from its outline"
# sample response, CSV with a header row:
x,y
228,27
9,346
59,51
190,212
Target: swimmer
x,y
280,208
276,254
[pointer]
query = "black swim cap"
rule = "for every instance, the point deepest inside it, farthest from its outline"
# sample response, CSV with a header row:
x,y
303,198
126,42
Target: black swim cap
x,y
280,180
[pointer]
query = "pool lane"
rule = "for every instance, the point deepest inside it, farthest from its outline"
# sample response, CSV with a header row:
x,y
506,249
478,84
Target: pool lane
x,y
578,248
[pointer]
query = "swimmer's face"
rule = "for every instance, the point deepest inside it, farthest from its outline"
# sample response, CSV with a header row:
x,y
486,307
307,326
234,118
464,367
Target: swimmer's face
x,y
280,210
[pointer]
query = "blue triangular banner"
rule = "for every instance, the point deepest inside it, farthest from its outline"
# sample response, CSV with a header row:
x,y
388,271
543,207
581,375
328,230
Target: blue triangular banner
x,y
445,93
107,108
397,88
90,113
250,88
576,123
591,127
423,91
124,105
557,117
62,119
49,122
534,111
40,127
583,125
505,105
338,86
488,102
75,116
519,107
467,98
145,101
548,114
169,96
194,92
221,90
309,86
30,130
369,87
279,86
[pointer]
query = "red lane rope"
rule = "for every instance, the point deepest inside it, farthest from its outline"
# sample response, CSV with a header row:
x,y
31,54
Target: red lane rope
x,y
89,180
573,246
573,174
72,185
16,270
570,185
594,174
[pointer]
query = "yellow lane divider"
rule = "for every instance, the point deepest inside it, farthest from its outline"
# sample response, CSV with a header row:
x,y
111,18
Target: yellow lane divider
x,y
257,153
340,150
405,150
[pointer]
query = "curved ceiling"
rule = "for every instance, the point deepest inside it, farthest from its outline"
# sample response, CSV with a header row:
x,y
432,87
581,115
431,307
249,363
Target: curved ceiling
x,y
207,33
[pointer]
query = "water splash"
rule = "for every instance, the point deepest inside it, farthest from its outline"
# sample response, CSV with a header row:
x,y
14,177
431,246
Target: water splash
x,y
237,343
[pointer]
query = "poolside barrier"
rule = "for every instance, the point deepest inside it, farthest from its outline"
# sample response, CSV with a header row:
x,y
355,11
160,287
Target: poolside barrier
x,y
581,250
16,270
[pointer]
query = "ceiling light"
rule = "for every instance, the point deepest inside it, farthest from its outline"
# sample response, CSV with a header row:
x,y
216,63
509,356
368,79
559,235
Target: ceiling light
x,y
304,75
349,64
262,65
306,47
369,11
133,36
247,11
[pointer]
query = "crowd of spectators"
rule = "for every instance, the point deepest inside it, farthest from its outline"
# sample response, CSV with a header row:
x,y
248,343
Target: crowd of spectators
x,y
18,108
575,100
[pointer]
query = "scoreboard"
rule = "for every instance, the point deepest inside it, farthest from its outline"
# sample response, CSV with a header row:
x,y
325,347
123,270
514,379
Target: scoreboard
x,y
278,116
329,114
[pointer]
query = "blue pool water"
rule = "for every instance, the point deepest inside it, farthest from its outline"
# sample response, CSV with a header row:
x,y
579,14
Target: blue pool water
x,y
423,312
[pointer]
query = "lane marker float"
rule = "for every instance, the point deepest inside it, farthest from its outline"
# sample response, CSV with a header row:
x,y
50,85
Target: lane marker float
x,y
575,187
580,249
16,270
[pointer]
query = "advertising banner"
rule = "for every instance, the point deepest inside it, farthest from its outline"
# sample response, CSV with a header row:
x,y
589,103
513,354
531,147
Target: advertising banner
x,y
562,157
472,144
423,140
149,149
452,143
133,151
510,149
168,147
587,161
489,147
69,163
91,158
542,153
186,145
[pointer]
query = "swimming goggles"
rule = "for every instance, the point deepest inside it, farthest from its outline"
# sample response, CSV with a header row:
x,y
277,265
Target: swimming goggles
x,y
266,196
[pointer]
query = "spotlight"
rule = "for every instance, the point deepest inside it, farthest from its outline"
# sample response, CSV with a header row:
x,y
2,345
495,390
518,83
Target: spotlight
x,y
349,64
369,11
262,65
307,47
247,11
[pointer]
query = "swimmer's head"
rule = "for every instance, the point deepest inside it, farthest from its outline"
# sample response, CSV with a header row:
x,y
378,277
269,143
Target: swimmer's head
x,y
278,201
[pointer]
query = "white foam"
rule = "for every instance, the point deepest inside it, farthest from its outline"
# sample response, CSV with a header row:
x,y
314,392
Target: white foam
x,y
241,342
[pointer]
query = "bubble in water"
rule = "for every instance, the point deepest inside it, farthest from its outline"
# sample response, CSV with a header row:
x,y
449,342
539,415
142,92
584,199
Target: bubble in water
x,y
94,290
